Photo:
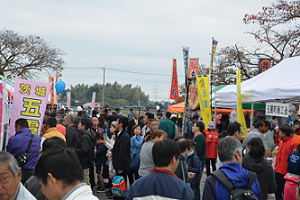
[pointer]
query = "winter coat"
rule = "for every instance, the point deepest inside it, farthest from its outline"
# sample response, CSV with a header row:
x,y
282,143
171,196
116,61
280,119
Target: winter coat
x,y
72,137
265,175
212,140
146,159
181,170
24,193
136,143
121,152
214,190
268,140
200,148
285,147
81,193
168,126
101,155
86,151
18,143
195,166
52,132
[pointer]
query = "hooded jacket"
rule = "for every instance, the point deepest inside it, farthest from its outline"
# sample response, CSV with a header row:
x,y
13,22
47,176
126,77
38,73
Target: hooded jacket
x,y
72,137
18,143
214,190
86,151
265,175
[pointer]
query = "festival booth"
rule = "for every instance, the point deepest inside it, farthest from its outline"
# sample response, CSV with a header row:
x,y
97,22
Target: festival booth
x,y
278,84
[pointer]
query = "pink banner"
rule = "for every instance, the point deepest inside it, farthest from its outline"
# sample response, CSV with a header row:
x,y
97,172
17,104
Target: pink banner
x,y
93,102
69,100
30,101
1,109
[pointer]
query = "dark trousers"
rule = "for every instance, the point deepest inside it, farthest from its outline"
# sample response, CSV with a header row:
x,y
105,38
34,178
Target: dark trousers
x,y
131,178
212,162
26,174
179,122
92,175
280,181
124,174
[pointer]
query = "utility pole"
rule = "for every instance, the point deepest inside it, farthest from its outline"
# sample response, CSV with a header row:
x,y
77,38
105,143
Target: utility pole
x,y
103,87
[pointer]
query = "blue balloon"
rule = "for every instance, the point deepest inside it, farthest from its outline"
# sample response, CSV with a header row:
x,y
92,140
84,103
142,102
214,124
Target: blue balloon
x,y
60,86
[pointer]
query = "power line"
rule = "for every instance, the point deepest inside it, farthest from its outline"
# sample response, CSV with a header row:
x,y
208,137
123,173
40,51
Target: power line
x,y
121,70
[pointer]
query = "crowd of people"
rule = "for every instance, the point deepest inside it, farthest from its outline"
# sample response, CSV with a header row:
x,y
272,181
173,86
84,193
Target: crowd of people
x,y
78,153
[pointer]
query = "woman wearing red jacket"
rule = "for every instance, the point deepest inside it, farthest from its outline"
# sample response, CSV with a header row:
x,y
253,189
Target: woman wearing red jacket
x,y
212,140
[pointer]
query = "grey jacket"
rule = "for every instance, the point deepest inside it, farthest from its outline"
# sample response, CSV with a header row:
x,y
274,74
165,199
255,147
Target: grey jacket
x,y
146,159
249,136
268,140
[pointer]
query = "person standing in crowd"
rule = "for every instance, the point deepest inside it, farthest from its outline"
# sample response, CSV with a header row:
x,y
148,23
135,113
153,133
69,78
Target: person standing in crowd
x,y
59,126
256,132
212,140
59,181
121,150
162,183
158,117
18,144
134,121
234,130
86,150
181,170
118,111
152,126
254,161
285,147
224,122
296,127
230,154
194,169
10,177
190,125
51,131
268,139
174,119
130,114
273,123
147,117
146,159
136,143
295,137
168,126
72,134
293,175
95,129
100,161
200,147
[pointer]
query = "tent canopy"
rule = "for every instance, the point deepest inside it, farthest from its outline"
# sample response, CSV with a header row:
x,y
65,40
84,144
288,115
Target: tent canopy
x,y
177,108
280,83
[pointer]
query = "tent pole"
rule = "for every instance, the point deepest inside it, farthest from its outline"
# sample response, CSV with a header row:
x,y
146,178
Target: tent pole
x,y
251,116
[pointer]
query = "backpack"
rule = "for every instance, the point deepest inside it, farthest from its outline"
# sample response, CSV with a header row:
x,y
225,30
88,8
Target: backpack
x,y
236,193
119,188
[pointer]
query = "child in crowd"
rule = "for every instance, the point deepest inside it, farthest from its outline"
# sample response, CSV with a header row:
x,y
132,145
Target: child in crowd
x,y
100,161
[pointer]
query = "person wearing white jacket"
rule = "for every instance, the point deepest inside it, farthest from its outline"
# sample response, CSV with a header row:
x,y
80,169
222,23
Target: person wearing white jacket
x,y
61,176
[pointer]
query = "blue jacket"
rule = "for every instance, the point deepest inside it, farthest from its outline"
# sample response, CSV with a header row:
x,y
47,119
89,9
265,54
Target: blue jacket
x,y
136,143
214,190
293,163
18,143
195,166
160,184
101,155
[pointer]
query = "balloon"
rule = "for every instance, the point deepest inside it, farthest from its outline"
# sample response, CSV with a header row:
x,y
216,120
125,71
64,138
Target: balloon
x,y
60,86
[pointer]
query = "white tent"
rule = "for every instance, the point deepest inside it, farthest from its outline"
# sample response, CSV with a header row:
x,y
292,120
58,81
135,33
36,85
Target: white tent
x,y
280,83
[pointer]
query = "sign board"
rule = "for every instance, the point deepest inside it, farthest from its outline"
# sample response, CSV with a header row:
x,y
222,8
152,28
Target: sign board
x,y
277,109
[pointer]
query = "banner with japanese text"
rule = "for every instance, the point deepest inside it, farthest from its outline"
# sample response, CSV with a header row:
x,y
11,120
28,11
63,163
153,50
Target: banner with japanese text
x,y
69,100
264,64
277,109
174,85
185,51
213,52
30,101
93,102
204,98
51,81
193,67
241,117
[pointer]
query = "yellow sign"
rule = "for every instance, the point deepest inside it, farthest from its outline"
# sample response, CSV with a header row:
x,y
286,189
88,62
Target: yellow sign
x,y
204,98
241,118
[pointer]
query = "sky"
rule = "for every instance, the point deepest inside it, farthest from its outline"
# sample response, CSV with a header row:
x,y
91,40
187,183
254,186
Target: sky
x,y
134,40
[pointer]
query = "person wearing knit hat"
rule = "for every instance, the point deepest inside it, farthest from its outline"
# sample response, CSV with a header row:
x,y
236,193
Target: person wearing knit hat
x,y
212,140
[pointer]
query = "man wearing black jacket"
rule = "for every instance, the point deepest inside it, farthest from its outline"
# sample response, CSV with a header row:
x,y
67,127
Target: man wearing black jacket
x,y
121,150
72,134
133,122
86,151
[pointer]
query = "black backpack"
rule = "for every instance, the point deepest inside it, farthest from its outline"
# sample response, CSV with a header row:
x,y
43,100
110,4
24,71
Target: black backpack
x,y
237,193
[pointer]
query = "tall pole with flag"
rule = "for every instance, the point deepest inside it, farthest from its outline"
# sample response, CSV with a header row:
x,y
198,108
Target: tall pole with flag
x,y
185,51
174,85
213,52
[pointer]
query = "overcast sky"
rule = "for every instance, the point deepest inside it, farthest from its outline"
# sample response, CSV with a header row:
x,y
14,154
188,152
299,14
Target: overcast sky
x,y
130,35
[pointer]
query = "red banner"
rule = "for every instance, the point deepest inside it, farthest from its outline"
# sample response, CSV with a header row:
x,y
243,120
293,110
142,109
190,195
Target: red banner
x,y
174,86
51,80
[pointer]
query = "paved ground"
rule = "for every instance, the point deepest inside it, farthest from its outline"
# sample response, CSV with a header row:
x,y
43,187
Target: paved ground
x,y
102,196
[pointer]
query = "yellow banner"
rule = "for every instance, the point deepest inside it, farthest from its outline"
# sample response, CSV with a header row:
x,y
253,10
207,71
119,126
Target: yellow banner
x,y
241,118
204,98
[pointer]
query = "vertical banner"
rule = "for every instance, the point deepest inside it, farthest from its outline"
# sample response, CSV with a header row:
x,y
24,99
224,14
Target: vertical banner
x,y
1,113
213,52
174,85
241,117
185,62
204,98
51,80
93,102
193,68
69,100
264,64
30,101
